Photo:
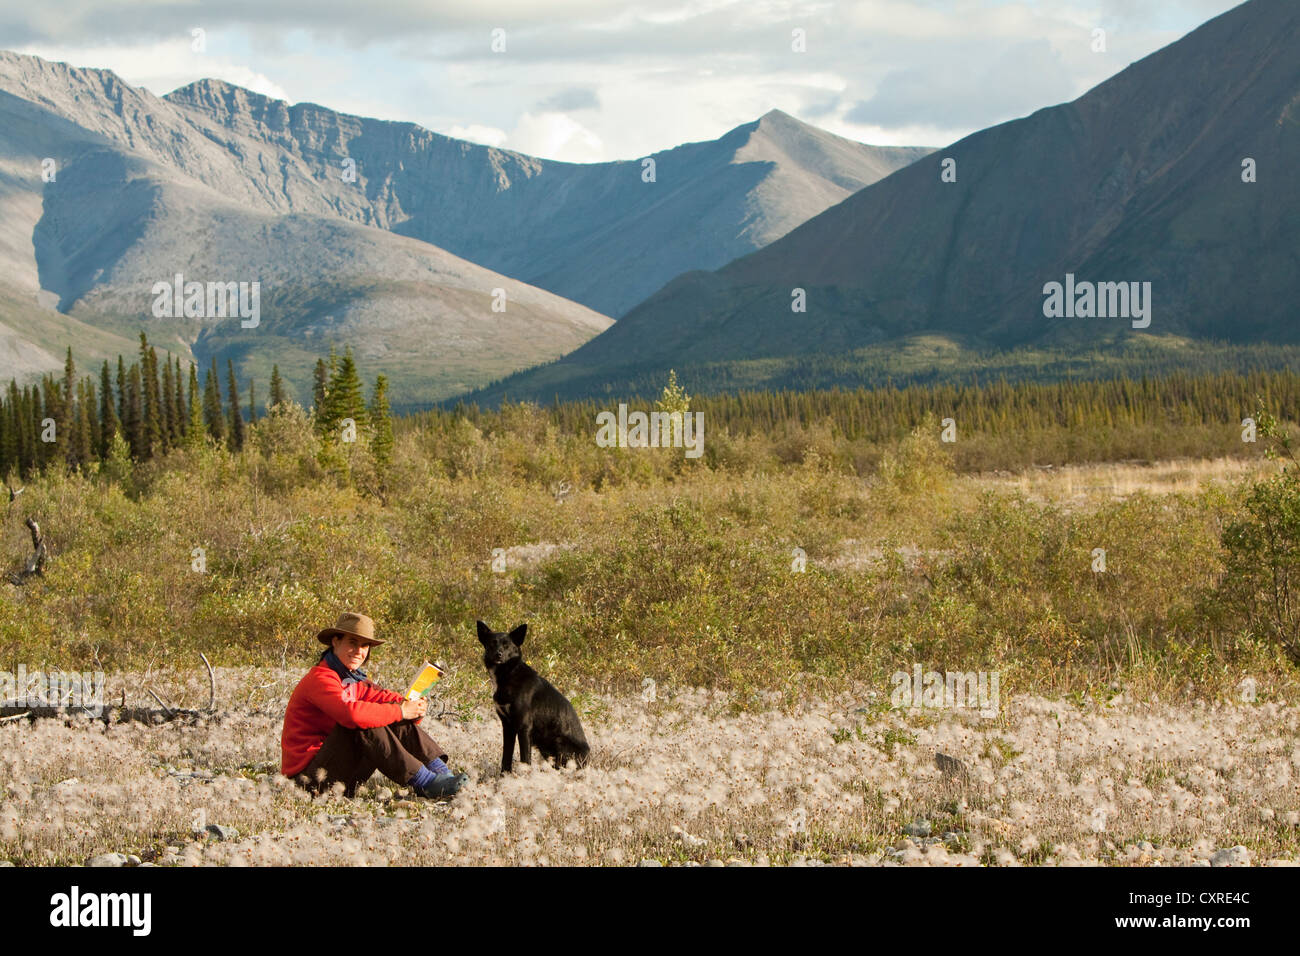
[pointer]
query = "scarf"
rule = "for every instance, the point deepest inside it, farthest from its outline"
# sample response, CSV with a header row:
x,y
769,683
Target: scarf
x,y
337,666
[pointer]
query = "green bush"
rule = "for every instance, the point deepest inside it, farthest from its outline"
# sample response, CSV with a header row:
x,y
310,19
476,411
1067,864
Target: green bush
x,y
1262,576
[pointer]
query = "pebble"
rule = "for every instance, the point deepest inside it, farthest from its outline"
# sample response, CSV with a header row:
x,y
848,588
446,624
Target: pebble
x,y
950,766
649,863
1231,856
107,859
687,838
921,828
222,833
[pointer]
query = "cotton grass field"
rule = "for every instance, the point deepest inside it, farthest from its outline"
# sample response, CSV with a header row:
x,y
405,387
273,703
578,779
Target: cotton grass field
x,y
683,779
729,630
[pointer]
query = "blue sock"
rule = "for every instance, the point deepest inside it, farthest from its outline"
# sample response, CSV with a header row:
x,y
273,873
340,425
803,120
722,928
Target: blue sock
x,y
423,777
437,767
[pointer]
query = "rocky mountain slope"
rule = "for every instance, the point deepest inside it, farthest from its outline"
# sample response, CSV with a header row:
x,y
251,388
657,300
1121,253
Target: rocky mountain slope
x,y
400,260
1142,179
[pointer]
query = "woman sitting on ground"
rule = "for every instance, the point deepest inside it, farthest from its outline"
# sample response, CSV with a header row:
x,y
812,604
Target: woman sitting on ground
x,y
341,728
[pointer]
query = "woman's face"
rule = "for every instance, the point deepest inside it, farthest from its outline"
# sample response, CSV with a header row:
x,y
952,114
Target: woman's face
x,y
351,650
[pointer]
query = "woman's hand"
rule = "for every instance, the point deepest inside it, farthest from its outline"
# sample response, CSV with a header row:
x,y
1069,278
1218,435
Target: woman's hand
x,y
411,709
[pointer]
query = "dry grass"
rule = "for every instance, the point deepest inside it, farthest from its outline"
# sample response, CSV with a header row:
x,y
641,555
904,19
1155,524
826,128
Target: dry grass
x,y
1089,485
684,779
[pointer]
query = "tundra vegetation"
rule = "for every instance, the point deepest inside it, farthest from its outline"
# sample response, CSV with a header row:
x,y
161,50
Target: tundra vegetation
x,y
727,627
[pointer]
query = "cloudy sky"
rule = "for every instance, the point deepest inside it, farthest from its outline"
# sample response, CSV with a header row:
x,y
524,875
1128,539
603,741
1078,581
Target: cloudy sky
x,y
590,80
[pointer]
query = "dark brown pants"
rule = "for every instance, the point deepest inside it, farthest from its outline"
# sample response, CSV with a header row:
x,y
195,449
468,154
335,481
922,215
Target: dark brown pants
x,y
350,756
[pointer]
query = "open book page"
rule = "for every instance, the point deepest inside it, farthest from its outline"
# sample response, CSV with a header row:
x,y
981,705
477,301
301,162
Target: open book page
x,y
428,675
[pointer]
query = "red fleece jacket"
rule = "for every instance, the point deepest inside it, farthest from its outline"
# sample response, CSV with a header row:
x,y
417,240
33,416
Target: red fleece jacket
x,y
319,703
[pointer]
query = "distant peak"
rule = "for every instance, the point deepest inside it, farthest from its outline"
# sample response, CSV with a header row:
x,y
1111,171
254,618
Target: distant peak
x,y
779,120
207,88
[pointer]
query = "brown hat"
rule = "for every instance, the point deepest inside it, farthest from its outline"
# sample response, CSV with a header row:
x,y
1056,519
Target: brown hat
x,y
349,622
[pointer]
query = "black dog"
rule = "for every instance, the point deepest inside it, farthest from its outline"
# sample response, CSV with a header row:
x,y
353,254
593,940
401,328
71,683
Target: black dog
x,y
529,707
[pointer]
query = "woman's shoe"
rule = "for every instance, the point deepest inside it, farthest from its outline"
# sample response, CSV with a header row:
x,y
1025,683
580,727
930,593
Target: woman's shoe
x,y
445,786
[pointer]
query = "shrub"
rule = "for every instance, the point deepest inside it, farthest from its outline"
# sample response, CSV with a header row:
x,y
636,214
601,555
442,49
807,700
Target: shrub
x,y
1263,568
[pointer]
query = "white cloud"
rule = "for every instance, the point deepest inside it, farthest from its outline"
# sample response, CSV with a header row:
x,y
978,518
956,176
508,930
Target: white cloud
x,y
484,135
640,75
556,136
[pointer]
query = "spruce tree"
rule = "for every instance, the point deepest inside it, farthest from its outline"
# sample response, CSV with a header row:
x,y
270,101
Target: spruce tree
x,y
72,442
49,407
319,392
194,432
236,416
381,425
277,389
133,423
31,429
66,411
152,425
213,415
168,429
84,445
180,408
17,437
345,399
121,389
92,418
12,433
108,423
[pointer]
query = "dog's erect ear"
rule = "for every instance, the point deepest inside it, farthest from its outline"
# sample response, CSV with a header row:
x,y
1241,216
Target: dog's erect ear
x,y
484,632
517,635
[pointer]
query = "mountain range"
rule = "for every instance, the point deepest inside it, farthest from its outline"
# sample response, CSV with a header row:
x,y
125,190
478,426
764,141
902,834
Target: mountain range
x,y
443,263
1180,171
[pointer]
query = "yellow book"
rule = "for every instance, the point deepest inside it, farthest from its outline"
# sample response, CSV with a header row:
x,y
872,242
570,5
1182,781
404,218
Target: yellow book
x,y
429,675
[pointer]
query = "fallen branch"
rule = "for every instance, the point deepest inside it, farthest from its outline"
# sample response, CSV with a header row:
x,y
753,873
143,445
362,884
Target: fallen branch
x,y
212,683
163,713
36,563
165,708
109,714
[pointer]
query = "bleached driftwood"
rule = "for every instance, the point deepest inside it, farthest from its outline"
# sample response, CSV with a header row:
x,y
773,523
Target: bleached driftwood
x,y
117,713
36,563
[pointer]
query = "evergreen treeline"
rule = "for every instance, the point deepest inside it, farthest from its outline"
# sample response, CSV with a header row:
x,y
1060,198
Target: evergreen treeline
x,y
146,409
1001,407
897,364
